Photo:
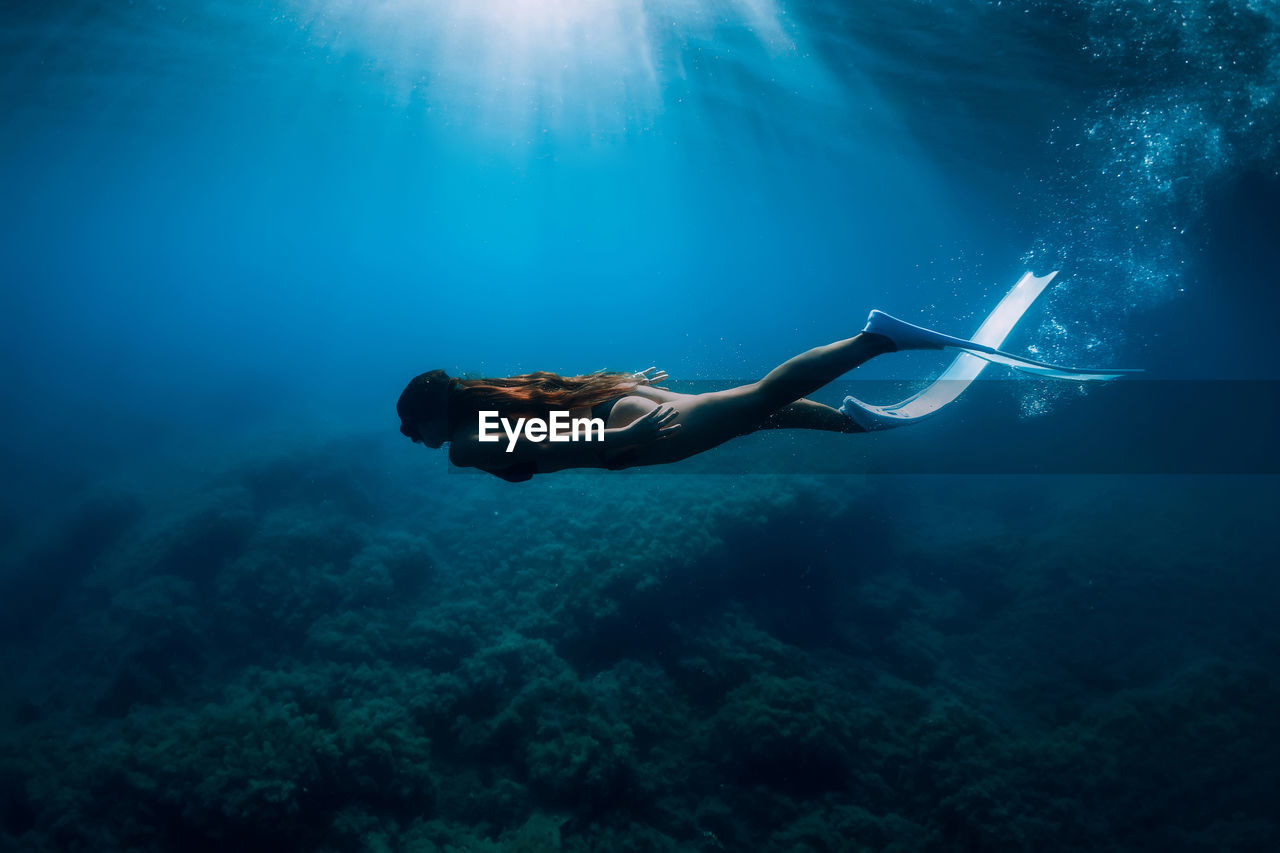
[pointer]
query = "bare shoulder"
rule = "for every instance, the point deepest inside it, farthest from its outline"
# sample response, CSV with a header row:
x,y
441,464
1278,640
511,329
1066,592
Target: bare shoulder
x,y
462,449
459,454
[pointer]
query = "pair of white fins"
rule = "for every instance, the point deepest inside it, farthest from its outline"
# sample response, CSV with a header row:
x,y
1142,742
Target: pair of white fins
x,y
979,351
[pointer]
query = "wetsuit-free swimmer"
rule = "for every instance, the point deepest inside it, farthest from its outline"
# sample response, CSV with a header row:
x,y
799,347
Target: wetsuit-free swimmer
x,y
645,424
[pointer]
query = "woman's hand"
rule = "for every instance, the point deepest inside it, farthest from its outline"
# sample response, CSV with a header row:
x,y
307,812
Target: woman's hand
x,y
649,376
656,424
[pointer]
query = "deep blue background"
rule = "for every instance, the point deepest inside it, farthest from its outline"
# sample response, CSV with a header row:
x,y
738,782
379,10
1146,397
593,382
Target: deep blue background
x,y
218,217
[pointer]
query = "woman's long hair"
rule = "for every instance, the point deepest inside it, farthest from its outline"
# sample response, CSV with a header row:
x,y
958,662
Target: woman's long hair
x,y
542,391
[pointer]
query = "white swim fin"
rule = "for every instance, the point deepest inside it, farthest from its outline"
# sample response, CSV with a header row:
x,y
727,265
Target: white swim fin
x,y
981,349
908,336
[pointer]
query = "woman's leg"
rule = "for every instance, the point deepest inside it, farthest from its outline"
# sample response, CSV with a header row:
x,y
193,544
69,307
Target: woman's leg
x,y
800,376
807,414
715,417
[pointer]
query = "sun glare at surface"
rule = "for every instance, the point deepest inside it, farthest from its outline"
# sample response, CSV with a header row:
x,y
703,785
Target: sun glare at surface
x,y
525,65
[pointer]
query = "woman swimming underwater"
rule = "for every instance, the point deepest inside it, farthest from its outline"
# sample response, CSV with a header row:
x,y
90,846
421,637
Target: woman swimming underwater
x,y
644,424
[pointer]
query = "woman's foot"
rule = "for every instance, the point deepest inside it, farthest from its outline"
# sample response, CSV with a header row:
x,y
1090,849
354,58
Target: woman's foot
x,y
880,343
904,336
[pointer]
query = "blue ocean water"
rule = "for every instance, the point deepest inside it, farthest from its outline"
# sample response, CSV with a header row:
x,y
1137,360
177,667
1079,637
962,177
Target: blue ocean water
x,y
241,610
